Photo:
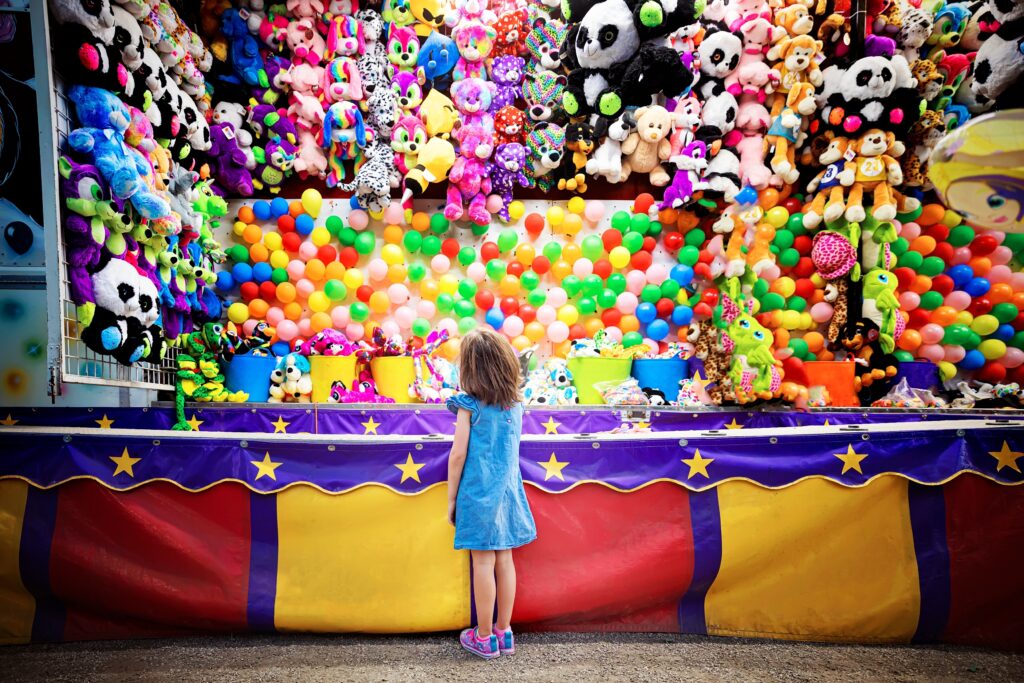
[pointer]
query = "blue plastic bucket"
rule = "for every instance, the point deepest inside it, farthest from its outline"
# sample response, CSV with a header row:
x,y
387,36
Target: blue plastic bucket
x,y
662,374
250,374
920,374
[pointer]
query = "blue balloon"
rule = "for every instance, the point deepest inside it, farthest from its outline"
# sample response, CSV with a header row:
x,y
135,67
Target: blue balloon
x,y
682,273
304,224
262,271
646,312
977,287
261,209
495,318
972,361
960,275
1004,332
225,282
280,348
241,272
682,315
279,206
657,330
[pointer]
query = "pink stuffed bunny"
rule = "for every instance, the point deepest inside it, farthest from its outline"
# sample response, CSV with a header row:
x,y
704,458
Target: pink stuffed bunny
x,y
753,76
739,11
468,181
305,9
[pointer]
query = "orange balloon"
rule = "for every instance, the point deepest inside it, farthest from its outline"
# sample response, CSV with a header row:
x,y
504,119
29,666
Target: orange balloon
x,y
392,234
1018,300
561,349
295,209
980,265
534,331
931,214
259,252
571,252
246,215
525,253
293,311
826,355
629,323
397,273
781,338
925,244
450,349
429,290
286,292
817,297
944,316
560,269
252,234
315,269
258,309
379,302
1000,293
921,284
768,198
369,326
335,271
909,340
521,343
815,341
592,326
776,321
509,285
420,221
320,321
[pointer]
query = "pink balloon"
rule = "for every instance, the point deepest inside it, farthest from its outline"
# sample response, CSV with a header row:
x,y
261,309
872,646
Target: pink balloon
x,y
340,317
1012,358
651,344
1000,256
932,333
958,299
547,314
307,250
953,353
635,281
999,274
248,326
426,309
476,272
771,273
493,203
613,333
440,264
354,331
558,332
377,269
909,300
557,297
821,312
932,352
305,328
657,274
582,268
394,214
304,288
715,245
688,349
961,255
448,324
513,326
390,328
274,316
998,234
1017,282
593,211
626,302
287,330
358,219
910,231
404,317
296,269
398,294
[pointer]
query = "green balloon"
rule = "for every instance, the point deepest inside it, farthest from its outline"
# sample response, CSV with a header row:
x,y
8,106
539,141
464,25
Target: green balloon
x,y
412,241
507,240
795,222
655,229
903,356
431,246
962,235
694,237
650,293
689,255
760,288
238,254
670,289
421,327
347,237
334,225
467,289
1004,312
1015,241
632,339
467,325
592,285
797,229
799,346
789,257
439,224
496,269
616,282
620,221
1017,341
445,303
607,299
335,290
529,280
633,241
586,305
552,251
783,239
910,216
639,222
537,297
772,302
359,311
467,255
797,303
774,249
592,247
910,259
572,285
278,275
931,300
900,246
932,266
478,229
464,308
417,271
365,242
957,334
972,340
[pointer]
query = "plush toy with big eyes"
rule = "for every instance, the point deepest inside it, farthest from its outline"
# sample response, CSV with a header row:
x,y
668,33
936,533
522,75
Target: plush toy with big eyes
x,y
475,42
507,171
468,181
507,74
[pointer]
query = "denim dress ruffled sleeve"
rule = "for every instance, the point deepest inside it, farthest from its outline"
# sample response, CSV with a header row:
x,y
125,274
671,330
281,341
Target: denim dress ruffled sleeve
x,y
491,510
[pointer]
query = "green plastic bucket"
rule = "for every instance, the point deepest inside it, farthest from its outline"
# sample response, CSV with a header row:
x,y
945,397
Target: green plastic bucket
x,y
586,372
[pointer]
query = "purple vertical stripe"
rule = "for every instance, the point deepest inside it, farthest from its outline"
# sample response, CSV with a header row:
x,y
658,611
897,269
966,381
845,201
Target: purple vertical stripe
x,y
34,563
472,593
262,561
707,559
928,523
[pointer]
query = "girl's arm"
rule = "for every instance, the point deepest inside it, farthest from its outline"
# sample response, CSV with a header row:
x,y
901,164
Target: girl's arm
x,y
457,459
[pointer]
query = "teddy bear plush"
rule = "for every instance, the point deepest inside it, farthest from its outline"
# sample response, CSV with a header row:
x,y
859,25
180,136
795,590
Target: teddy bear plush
x,y
507,171
475,42
473,98
511,30
542,92
753,76
228,162
874,92
543,43
797,64
463,11
509,126
719,54
85,60
647,147
507,74
874,171
580,141
243,51
468,181
546,146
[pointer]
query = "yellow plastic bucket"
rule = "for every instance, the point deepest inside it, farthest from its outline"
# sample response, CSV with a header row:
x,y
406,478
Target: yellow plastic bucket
x,y
325,370
394,375
586,372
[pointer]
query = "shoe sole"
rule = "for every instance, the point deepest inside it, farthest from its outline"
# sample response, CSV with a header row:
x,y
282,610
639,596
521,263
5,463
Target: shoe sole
x,y
481,655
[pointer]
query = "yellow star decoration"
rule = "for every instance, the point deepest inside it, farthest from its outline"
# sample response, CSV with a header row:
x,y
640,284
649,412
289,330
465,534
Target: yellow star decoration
x,y
1006,458
124,463
734,425
370,426
700,380
826,423
698,464
104,423
266,467
280,427
851,460
9,421
195,422
551,427
642,425
410,469
553,468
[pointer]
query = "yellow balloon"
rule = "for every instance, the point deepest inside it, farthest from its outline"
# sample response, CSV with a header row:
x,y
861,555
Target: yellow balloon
x,y
238,228
312,200
806,322
791,320
951,219
429,290
397,273
448,283
238,312
392,254
320,236
534,331
571,252
555,216
521,343
272,241
379,302
619,257
318,302
576,205
525,253
353,278
560,269
508,286
568,314
818,281
571,225
947,369
335,271
279,259
516,210
964,318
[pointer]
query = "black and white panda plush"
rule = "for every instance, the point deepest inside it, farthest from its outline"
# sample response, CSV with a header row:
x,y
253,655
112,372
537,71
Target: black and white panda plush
x,y
95,15
874,92
122,322
1000,59
128,38
720,53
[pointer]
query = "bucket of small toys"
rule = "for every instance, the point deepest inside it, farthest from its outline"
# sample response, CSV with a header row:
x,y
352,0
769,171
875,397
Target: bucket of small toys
x,y
326,370
837,377
920,374
588,371
394,376
251,374
661,374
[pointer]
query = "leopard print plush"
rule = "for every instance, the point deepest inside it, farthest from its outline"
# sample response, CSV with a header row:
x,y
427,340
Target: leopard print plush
x,y
837,290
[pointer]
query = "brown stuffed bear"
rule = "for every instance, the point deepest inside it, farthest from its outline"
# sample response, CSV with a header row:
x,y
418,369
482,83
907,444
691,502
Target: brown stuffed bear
x,y
648,145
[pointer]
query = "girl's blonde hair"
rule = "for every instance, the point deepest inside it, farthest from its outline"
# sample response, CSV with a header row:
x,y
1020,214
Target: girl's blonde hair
x,y
489,368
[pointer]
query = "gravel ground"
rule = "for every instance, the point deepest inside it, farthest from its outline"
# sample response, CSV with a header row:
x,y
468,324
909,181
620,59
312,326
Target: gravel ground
x,y
541,657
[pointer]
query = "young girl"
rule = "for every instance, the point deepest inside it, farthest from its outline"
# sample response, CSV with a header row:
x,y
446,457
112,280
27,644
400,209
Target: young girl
x,y
486,501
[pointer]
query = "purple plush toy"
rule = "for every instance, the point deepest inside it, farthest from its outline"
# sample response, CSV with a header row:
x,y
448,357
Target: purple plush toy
x,y
227,161
506,172
86,196
691,162
507,73
363,390
468,182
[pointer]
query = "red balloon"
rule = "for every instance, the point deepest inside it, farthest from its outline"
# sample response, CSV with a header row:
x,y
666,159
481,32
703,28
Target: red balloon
x,y
793,205
641,260
528,313
938,232
602,268
643,202
541,265
702,310
919,317
983,245
327,253
484,299
249,290
992,372
705,256
450,247
944,251
611,317
363,293
291,241
286,223
649,243
534,224
943,284
710,297
979,306
1016,374
803,245
702,270
509,305
804,267
804,288
905,276
349,257
488,251
268,290
577,331
673,241
665,307
1018,322
611,238
764,318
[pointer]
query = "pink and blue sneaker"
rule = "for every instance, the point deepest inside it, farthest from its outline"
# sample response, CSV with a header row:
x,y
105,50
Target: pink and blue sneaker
x,y
506,641
481,647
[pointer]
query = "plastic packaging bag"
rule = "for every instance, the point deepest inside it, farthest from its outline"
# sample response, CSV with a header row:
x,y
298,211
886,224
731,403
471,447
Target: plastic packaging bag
x,y
622,393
